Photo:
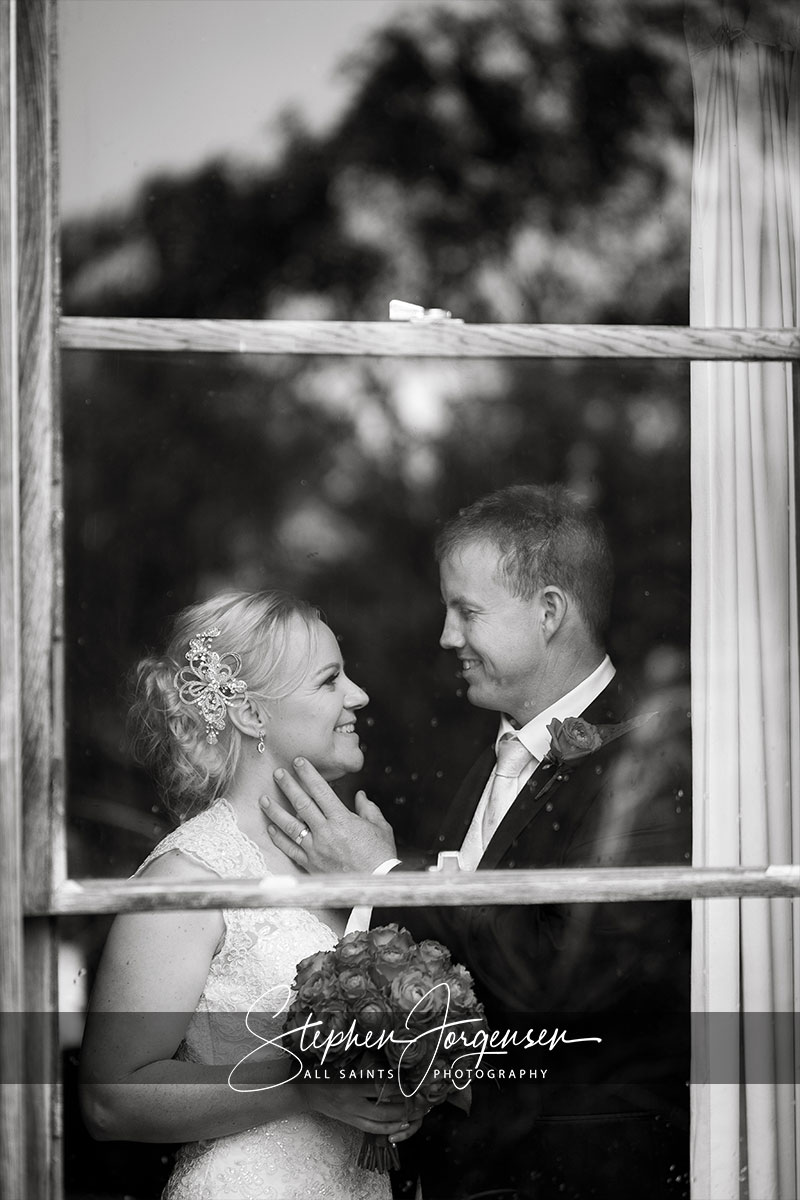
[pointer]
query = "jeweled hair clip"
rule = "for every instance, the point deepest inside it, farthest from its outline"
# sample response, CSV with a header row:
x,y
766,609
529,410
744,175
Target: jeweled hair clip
x,y
210,681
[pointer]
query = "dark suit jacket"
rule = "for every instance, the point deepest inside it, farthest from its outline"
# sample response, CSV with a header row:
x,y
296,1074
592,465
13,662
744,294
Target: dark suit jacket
x,y
620,971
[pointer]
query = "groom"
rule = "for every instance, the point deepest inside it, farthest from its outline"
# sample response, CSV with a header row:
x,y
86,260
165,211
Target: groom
x,y
526,579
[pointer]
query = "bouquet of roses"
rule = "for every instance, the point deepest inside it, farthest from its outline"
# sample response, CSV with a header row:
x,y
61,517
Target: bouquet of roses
x,y
380,1006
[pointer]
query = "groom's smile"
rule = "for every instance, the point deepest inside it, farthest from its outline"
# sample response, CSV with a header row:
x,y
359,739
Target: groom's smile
x,y
496,635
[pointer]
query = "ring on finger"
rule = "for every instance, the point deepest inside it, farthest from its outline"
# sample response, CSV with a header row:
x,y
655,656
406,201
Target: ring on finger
x,y
304,832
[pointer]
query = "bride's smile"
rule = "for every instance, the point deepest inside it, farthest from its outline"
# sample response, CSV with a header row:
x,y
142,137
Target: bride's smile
x,y
317,719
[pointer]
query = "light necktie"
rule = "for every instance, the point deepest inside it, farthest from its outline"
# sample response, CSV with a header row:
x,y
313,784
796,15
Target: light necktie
x,y
512,758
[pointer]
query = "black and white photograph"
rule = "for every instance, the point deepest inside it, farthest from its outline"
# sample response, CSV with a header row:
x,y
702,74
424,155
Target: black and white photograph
x,y
399,639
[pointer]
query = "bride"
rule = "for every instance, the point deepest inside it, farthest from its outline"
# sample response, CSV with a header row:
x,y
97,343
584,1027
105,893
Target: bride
x,y
247,682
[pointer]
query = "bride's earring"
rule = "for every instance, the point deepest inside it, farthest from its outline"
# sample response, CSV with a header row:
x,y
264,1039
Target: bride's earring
x,y
260,747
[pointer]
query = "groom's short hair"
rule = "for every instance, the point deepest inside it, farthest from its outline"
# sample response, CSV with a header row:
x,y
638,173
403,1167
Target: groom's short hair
x,y
545,535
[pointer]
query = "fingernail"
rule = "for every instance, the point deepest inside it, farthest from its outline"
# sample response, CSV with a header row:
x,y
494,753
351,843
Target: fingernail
x,y
265,801
270,830
279,773
299,762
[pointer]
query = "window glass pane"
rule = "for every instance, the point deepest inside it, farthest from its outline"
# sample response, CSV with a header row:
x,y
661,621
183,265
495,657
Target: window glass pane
x,y
331,477
507,162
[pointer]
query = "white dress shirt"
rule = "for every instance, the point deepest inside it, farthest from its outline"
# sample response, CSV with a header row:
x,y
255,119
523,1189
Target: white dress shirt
x,y
361,916
536,739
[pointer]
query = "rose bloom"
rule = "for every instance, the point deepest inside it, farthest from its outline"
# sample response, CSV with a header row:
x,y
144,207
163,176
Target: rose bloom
x,y
433,956
408,1051
573,738
335,1018
371,1014
415,992
317,990
436,1086
314,964
352,949
392,950
386,936
462,997
355,984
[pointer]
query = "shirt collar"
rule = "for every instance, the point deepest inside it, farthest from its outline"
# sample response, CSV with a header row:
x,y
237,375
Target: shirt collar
x,y
534,735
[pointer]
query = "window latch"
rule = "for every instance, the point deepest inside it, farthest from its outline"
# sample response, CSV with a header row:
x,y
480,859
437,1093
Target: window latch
x,y
401,310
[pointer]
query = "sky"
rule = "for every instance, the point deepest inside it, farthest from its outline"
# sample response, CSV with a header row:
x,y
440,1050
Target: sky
x,y
150,85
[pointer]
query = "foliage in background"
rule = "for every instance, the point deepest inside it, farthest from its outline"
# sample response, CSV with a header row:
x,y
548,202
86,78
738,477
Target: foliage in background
x,y
529,163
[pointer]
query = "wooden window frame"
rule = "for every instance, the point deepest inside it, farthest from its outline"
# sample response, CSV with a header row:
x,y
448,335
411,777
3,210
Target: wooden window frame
x,y
34,887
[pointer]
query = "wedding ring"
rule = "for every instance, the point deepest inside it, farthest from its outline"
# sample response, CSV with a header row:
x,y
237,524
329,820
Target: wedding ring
x,y
303,833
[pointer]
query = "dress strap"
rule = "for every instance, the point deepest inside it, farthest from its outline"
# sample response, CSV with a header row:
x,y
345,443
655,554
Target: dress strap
x,y
214,839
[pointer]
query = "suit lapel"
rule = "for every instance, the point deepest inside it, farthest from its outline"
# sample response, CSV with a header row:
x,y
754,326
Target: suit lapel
x,y
528,804
612,706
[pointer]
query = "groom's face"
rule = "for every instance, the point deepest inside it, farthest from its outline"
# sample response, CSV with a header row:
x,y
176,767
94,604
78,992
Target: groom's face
x,y
498,637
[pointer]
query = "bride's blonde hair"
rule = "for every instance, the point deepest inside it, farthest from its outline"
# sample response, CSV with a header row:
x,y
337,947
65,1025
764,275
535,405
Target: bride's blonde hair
x,y
169,731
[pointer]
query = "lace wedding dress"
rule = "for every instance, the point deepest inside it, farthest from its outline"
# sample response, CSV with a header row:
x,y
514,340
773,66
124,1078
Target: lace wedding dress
x,y
289,1159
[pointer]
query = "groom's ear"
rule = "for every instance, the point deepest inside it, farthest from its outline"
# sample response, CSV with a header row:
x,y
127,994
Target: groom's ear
x,y
554,606
249,717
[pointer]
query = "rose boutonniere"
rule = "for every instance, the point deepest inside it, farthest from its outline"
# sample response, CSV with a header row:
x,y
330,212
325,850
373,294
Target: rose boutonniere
x,y
574,739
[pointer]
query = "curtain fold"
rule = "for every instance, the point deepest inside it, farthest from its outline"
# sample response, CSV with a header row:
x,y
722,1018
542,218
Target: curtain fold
x,y
746,713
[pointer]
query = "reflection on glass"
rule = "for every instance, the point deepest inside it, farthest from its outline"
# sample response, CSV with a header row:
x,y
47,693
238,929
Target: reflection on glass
x,y
330,477
507,162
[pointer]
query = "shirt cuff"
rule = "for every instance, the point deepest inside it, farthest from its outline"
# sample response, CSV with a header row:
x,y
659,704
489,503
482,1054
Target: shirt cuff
x,y
361,915
387,866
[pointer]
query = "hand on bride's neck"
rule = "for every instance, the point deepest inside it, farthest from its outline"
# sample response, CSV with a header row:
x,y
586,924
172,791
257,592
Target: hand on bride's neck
x,y
250,783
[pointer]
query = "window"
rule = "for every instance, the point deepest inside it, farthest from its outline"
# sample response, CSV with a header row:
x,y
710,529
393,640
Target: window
x,y
35,889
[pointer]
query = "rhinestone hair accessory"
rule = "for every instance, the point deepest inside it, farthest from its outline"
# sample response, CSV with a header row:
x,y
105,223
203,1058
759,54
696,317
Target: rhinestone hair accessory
x,y
210,682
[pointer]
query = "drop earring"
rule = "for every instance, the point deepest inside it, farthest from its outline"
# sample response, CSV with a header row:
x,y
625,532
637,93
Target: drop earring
x,y
260,747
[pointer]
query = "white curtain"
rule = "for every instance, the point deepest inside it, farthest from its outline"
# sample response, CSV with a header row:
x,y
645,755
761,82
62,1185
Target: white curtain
x,y
745,62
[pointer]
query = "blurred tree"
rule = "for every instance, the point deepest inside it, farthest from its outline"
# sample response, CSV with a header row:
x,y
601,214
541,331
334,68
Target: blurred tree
x,y
527,162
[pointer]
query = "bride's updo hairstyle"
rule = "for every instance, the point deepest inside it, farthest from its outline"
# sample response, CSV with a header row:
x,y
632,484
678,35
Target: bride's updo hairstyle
x,y
170,733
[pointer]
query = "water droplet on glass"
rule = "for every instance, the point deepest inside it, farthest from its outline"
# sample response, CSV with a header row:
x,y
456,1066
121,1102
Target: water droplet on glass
x,y
440,774
303,483
677,808
556,826
387,770
434,722
370,721
415,775
459,692
548,807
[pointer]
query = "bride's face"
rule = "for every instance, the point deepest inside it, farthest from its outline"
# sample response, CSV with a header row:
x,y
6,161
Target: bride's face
x,y
318,720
